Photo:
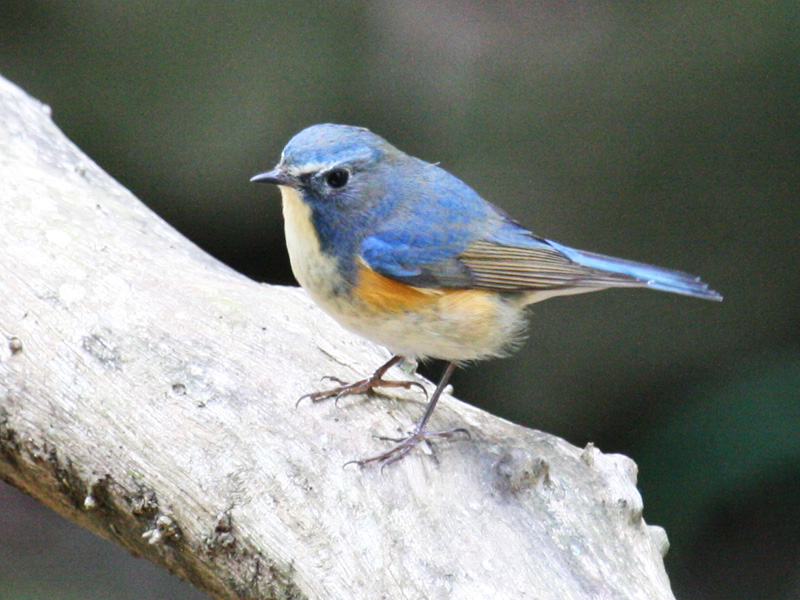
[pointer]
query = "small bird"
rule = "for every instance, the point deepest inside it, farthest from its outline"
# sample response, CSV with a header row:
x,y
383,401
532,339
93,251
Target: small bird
x,y
404,254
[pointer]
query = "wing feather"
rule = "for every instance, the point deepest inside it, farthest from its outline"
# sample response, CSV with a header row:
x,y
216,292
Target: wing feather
x,y
534,267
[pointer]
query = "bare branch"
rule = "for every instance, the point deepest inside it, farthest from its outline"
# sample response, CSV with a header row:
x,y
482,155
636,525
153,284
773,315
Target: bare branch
x,y
147,392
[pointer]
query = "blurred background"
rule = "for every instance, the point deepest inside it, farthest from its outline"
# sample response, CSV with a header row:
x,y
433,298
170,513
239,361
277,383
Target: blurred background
x,y
665,132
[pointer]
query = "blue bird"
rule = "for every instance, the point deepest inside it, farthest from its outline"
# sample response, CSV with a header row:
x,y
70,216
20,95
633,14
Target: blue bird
x,y
408,256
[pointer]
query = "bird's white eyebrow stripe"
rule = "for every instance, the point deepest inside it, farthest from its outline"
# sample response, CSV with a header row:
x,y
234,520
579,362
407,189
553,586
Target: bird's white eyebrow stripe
x,y
299,170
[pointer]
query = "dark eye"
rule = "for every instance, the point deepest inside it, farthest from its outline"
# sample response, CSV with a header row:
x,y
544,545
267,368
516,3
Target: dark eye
x,y
337,178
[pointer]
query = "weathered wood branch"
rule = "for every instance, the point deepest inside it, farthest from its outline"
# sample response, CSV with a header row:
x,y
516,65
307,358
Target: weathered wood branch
x,y
147,393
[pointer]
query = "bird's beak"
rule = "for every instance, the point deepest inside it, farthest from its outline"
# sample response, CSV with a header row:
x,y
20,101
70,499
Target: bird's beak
x,y
276,177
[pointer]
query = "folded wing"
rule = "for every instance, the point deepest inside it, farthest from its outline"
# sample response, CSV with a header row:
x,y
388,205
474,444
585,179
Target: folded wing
x,y
495,253
546,265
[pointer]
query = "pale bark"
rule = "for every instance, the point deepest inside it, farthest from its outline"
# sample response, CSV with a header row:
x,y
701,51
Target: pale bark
x,y
147,392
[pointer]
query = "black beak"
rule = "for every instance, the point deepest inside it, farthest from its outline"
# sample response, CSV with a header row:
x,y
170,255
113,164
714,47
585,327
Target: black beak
x,y
276,177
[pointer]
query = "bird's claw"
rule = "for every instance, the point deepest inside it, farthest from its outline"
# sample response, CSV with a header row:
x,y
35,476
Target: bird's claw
x,y
429,435
406,445
358,387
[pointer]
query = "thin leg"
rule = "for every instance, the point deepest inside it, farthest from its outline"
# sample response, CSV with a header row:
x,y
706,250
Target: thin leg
x,y
405,445
363,386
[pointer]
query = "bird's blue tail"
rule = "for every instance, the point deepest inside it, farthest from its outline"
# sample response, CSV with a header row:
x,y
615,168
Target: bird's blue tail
x,y
645,275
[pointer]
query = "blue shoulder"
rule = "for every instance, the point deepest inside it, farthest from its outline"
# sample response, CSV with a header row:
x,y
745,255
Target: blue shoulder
x,y
406,252
389,253
436,217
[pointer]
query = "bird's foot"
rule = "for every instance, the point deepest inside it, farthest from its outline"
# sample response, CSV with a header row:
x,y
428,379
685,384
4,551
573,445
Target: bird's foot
x,y
406,445
359,387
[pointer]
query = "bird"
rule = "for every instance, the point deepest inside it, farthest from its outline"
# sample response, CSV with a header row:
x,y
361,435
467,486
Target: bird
x,y
408,256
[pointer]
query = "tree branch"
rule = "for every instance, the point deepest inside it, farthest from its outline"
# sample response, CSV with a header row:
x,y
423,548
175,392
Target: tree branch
x,y
147,392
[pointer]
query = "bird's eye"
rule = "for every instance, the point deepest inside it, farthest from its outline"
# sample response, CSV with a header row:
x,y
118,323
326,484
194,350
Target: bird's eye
x,y
337,178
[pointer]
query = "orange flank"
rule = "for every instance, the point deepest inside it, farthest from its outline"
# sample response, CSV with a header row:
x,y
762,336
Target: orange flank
x,y
382,294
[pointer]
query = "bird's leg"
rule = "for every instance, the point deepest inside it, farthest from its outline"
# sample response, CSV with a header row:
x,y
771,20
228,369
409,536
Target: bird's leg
x,y
406,444
365,385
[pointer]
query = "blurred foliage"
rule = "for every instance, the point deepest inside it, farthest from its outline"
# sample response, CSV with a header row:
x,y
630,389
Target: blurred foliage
x,y
665,132
735,515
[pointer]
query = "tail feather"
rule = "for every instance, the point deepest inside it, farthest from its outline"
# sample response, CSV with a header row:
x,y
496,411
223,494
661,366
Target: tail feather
x,y
657,278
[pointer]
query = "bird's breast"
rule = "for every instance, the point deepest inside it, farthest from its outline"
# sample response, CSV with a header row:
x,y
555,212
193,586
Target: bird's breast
x,y
315,270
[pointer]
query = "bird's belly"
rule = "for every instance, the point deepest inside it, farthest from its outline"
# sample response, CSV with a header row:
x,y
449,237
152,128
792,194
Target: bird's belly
x,y
460,325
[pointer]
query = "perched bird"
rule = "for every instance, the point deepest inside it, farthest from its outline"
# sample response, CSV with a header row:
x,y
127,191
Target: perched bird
x,y
407,255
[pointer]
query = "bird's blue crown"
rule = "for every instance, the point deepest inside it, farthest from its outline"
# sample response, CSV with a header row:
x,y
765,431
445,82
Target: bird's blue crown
x,y
330,144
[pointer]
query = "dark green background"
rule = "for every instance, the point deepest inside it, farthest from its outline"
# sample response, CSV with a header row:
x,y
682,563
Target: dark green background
x,y
665,132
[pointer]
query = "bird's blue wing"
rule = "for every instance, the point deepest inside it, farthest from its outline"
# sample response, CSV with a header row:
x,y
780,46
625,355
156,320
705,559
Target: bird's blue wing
x,y
419,256
511,259
441,233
